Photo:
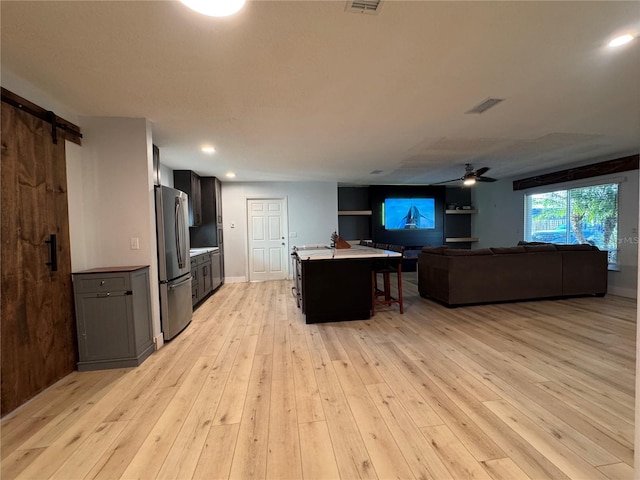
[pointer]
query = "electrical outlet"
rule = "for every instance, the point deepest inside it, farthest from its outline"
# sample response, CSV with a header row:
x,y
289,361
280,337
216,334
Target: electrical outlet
x,y
135,243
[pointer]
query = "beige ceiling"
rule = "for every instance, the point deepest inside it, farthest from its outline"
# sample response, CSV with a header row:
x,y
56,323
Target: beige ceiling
x,y
304,90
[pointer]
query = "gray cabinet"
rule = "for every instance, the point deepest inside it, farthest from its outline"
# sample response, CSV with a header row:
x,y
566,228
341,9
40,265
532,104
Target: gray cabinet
x,y
206,273
195,291
216,269
113,317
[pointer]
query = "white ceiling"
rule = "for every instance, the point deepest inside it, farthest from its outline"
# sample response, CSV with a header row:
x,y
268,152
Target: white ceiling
x,y
304,90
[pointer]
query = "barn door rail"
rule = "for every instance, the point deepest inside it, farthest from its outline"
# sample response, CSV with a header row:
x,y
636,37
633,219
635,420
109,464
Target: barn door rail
x,y
69,132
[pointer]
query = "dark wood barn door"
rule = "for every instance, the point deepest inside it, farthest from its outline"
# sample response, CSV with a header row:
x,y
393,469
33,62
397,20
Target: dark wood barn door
x,y
38,345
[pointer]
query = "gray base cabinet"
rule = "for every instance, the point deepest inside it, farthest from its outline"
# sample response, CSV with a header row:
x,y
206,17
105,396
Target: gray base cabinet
x,y
113,317
206,275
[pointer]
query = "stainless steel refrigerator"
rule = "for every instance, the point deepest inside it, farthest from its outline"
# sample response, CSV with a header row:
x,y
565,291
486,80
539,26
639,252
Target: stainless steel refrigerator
x,y
174,265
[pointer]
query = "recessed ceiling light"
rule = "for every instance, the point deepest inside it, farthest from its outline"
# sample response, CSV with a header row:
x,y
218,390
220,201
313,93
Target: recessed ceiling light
x,y
230,175
621,40
215,8
208,149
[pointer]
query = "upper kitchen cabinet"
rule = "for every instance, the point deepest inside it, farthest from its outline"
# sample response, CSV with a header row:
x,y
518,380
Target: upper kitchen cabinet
x,y
219,202
211,201
190,183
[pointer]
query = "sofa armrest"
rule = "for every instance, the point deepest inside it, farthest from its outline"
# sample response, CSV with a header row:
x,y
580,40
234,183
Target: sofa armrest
x,y
585,272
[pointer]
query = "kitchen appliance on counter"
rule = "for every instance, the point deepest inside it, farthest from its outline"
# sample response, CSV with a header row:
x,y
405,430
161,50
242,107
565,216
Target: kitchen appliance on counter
x,y
174,266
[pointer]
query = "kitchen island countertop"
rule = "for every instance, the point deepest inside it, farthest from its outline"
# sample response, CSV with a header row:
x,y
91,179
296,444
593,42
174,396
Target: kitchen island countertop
x,y
356,251
199,251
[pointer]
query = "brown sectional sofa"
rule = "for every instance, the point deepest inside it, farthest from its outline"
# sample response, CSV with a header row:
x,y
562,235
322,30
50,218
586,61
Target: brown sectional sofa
x,y
529,271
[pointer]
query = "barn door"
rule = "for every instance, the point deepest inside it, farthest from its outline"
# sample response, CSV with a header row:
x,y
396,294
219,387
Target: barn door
x,y
38,344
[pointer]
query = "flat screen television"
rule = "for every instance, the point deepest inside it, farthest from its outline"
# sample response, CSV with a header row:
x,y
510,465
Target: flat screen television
x,y
409,213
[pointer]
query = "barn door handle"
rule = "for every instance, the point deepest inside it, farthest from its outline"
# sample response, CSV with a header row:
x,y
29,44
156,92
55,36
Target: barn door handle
x,y
53,252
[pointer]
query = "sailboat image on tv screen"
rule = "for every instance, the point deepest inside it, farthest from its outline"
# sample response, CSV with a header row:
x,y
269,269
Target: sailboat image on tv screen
x,y
409,213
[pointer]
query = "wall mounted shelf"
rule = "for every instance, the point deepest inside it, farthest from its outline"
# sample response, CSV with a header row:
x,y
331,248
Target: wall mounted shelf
x,y
460,212
354,212
460,239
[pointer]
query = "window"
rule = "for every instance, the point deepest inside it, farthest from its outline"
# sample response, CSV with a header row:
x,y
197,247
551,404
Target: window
x,y
579,215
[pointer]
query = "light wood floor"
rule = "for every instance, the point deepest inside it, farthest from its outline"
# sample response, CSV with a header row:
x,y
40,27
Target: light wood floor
x,y
522,390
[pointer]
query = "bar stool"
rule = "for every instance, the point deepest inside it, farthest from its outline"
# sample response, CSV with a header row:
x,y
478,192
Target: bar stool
x,y
386,267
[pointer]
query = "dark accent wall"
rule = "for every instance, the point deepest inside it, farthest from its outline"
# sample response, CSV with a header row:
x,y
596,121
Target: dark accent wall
x,y
354,227
458,225
378,193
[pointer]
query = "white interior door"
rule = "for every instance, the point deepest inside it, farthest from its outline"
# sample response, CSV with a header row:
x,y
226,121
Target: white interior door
x,y
267,239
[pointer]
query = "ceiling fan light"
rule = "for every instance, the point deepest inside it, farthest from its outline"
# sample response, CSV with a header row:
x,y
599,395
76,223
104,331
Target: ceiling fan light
x,y
469,181
621,40
215,8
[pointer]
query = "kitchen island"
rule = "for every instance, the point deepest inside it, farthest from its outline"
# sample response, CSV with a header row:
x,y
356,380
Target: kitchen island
x,y
335,284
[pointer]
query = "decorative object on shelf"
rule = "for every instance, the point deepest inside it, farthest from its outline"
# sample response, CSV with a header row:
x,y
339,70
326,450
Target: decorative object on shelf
x,y
338,242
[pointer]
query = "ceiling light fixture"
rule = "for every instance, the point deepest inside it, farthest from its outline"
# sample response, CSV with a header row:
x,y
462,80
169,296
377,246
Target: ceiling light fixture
x,y
621,40
230,175
208,150
468,181
215,8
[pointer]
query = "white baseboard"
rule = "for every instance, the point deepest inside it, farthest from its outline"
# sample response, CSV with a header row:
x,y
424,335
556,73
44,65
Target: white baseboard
x,y
235,279
158,341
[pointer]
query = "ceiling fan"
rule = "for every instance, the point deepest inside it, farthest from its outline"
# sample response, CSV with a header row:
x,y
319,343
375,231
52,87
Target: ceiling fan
x,y
472,176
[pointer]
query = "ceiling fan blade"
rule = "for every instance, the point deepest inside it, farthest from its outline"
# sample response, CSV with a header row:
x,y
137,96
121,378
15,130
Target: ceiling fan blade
x,y
485,179
447,181
481,171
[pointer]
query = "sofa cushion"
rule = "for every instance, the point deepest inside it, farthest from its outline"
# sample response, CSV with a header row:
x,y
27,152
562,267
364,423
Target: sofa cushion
x,y
506,250
578,247
463,252
546,247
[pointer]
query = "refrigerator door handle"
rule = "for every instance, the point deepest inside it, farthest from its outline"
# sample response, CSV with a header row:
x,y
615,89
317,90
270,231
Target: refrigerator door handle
x,y
178,231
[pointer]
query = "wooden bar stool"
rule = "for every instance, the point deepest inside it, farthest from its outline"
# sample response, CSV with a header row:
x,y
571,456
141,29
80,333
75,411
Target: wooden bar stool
x,y
386,267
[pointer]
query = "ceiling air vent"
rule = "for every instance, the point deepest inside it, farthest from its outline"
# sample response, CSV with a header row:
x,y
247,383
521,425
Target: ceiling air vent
x,y
371,7
485,105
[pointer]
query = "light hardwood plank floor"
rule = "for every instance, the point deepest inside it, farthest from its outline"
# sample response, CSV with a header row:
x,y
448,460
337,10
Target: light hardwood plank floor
x,y
527,390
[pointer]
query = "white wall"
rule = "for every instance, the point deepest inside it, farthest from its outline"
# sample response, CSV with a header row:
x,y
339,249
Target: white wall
x,y
29,91
500,222
312,214
166,175
75,198
118,199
